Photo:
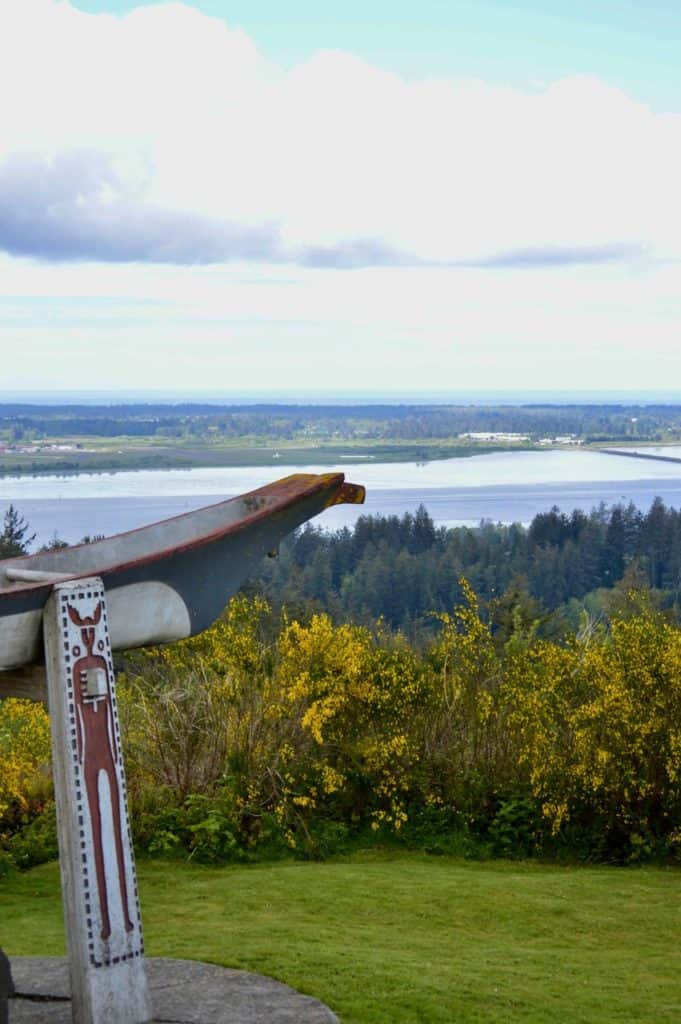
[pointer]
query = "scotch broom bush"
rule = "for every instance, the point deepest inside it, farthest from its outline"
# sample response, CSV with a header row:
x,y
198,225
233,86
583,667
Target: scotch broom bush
x,y
256,739
597,727
27,829
24,755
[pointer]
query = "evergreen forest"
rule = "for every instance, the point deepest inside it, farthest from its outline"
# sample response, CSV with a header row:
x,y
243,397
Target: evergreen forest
x,y
553,572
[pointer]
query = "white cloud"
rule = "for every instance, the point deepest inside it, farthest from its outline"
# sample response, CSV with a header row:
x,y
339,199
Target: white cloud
x,y
133,147
172,121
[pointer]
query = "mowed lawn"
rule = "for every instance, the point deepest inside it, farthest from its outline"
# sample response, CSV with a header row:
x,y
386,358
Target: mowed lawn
x,y
404,938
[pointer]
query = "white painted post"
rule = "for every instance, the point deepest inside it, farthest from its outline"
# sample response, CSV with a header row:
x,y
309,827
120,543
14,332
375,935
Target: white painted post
x,y
99,886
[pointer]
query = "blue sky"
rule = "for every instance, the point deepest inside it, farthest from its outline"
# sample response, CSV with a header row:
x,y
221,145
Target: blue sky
x,y
632,44
395,196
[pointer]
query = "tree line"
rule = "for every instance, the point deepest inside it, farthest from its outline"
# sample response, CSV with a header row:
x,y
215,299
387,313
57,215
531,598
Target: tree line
x,y
388,422
402,569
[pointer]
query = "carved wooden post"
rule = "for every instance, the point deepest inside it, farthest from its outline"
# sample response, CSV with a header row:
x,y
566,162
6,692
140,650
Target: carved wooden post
x,y
99,885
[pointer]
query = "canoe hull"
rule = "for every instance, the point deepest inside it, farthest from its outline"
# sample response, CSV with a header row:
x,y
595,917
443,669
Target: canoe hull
x,y
178,590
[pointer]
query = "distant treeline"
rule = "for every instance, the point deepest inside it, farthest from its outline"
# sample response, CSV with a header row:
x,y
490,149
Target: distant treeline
x,y
403,569
593,422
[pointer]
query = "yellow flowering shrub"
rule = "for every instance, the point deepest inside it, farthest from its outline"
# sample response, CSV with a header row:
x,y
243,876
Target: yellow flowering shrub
x,y
256,737
352,703
193,710
466,746
597,727
24,753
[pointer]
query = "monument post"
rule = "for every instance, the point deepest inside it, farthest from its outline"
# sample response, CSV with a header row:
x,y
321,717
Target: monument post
x,y
165,582
99,886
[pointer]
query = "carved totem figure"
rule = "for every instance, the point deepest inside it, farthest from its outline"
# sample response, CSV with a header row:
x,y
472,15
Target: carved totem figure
x,y
98,752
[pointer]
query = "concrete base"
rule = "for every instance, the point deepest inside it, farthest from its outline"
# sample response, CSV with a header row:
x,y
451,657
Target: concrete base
x,y
182,992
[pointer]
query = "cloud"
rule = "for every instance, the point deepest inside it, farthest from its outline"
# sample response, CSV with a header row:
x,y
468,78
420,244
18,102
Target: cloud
x,y
76,207
353,254
165,137
562,256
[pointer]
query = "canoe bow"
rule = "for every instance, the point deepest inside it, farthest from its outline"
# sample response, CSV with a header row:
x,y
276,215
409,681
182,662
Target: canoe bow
x,y
166,581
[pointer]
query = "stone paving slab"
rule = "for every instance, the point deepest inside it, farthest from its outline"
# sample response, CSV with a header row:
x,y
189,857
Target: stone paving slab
x,y
182,992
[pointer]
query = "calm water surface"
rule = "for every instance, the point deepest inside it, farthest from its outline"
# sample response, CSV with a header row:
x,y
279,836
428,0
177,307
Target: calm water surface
x,y
504,487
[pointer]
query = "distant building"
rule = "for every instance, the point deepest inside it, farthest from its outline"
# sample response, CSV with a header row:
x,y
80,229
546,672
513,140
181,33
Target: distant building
x,y
493,435
564,439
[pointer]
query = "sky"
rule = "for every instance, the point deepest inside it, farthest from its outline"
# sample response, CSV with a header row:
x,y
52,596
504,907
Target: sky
x,y
372,196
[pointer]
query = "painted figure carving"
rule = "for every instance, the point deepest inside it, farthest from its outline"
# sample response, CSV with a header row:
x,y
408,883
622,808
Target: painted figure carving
x,y
98,752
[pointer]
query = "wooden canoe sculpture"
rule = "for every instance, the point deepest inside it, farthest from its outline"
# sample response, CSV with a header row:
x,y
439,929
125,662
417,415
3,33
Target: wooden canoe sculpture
x,y
163,582
68,609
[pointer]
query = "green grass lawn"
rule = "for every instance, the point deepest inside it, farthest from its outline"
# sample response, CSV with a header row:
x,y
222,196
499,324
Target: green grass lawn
x,y
401,939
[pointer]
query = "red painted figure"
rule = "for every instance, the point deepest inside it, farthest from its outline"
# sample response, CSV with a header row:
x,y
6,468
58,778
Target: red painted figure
x,y
98,752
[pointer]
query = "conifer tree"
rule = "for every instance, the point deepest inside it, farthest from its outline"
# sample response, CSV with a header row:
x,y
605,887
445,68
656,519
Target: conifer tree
x,y
13,539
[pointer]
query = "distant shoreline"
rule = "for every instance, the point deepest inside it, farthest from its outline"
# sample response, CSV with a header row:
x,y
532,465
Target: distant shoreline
x,y
73,439
243,457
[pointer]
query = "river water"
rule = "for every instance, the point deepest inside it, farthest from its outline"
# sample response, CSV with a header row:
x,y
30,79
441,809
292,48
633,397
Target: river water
x,y
504,487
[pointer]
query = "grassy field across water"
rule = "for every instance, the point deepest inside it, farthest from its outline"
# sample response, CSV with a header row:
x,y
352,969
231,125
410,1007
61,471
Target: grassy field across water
x,y
403,938
124,454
